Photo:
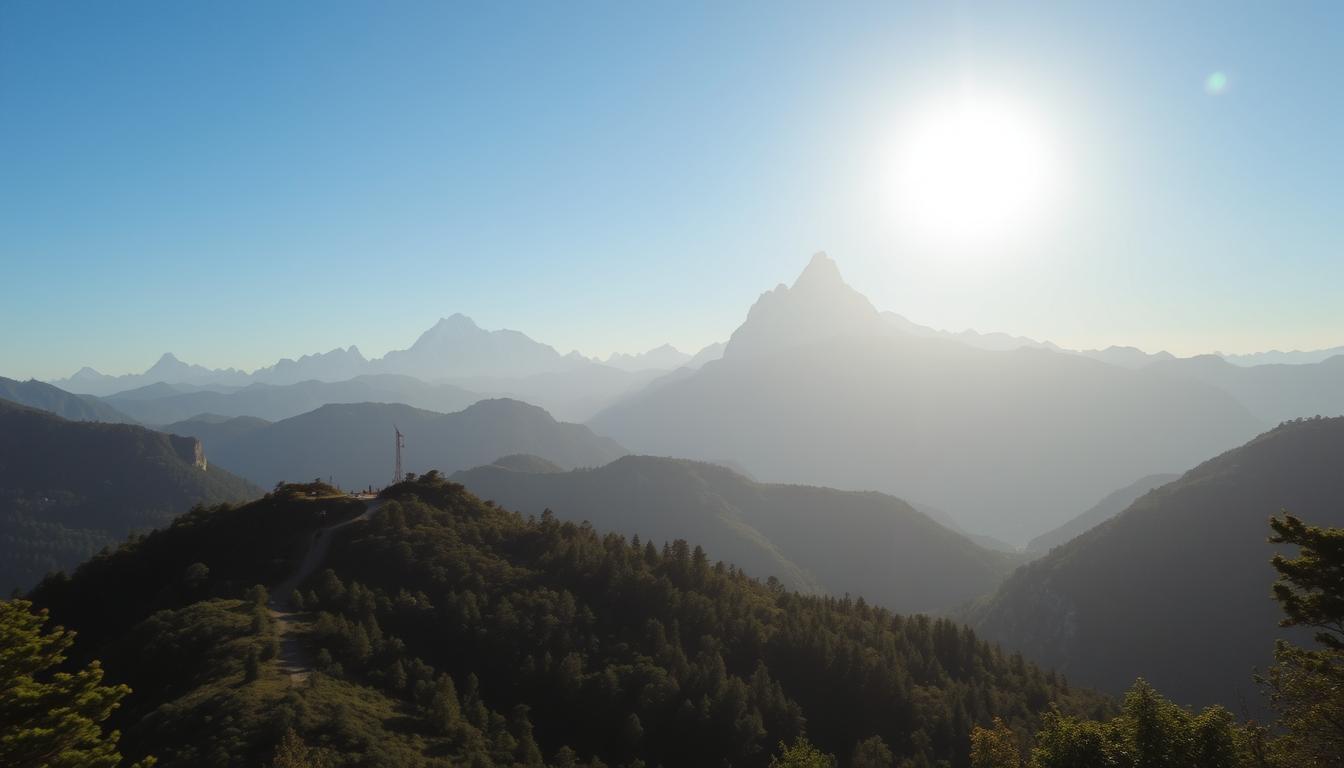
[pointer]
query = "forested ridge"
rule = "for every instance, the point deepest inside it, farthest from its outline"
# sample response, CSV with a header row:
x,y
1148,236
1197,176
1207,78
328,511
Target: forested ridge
x,y
447,631
70,488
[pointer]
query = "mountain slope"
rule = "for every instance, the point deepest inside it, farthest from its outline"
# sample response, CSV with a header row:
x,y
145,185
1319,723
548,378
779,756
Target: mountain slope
x,y
68,489
275,402
448,632
1274,393
353,443
43,396
1176,588
1113,504
816,387
810,538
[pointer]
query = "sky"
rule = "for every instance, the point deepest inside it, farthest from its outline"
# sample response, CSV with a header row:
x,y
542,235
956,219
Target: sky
x,y
239,182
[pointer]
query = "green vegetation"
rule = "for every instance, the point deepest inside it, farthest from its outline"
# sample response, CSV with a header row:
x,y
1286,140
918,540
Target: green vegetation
x,y
69,489
1150,732
1306,686
49,717
446,631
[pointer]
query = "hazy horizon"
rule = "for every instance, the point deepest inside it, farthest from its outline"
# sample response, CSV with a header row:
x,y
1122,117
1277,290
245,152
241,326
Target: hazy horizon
x,y
193,355
609,180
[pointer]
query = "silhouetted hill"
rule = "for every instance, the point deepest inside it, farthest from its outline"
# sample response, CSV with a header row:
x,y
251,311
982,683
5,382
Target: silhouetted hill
x,y
448,632
816,387
810,538
353,443
69,488
43,396
271,402
1177,587
1114,503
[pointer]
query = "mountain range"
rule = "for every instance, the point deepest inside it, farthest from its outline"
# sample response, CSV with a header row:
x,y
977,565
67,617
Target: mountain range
x,y
454,348
165,404
811,539
818,387
353,443
1176,588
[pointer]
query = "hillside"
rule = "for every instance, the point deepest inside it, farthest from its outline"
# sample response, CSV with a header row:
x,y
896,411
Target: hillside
x,y
353,443
1113,504
811,539
274,402
817,387
43,396
1176,587
451,632
68,488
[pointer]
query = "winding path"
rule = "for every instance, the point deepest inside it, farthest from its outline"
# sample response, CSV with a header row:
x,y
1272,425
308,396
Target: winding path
x,y
295,661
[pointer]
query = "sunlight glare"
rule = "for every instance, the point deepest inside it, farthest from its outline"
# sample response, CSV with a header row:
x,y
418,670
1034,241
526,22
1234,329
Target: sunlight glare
x,y
972,171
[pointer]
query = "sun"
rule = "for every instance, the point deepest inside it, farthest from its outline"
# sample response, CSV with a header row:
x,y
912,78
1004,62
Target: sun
x,y
974,170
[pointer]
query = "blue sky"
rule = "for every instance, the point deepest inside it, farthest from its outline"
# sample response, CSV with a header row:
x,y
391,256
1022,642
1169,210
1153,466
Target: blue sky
x,y
236,182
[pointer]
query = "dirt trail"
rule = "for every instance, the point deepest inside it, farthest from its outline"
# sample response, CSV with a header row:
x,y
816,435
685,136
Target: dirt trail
x,y
295,661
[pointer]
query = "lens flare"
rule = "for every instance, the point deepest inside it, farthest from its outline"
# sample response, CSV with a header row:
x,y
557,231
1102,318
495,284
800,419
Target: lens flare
x,y
1216,83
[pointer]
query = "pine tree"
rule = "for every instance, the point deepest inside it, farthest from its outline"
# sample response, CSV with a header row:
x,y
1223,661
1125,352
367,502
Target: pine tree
x,y
444,708
50,718
801,755
1307,685
873,752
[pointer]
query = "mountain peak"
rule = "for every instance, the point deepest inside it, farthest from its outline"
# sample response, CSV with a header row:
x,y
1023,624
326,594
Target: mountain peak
x,y
819,306
820,272
457,319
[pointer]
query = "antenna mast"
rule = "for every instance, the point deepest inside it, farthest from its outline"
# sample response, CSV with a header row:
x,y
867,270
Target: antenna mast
x,y
401,443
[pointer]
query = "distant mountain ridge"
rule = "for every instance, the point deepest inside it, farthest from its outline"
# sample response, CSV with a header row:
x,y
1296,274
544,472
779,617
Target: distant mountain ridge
x,y
665,357
1274,393
453,348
